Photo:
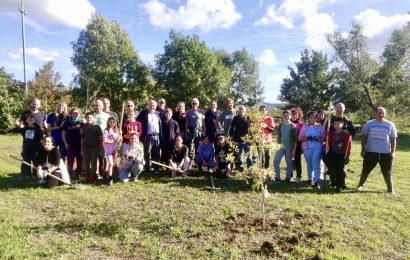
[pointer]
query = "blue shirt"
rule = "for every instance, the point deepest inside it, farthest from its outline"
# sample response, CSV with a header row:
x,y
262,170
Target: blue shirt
x,y
379,135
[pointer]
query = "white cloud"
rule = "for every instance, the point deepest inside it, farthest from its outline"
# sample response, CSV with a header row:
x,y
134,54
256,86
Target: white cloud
x,y
71,13
272,16
35,52
268,58
204,14
375,24
316,28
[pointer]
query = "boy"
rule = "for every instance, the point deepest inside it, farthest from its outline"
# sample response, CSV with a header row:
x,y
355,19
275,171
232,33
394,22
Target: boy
x,y
132,160
223,167
32,135
339,143
170,130
288,137
92,145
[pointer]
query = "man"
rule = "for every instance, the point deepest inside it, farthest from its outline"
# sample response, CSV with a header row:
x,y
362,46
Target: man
x,y
129,106
151,134
347,124
180,118
100,119
378,146
161,107
211,123
39,117
106,109
225,118
194,127
238,129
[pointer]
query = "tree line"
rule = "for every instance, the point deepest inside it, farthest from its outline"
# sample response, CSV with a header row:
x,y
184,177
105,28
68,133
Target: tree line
x,y
108,65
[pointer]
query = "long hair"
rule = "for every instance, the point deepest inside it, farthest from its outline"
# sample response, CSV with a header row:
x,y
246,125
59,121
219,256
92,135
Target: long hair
x,y
115,128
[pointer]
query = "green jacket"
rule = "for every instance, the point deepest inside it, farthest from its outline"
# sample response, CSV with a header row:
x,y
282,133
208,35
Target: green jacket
x,y
293,134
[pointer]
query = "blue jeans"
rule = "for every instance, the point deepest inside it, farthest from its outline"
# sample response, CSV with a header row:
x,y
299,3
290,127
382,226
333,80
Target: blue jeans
x,y
313,157
244,147
276,162
209,165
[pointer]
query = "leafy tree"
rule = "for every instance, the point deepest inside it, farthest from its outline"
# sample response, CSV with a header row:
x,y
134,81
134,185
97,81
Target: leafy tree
x,y
311,85
13,100
47,87
188,69
109,66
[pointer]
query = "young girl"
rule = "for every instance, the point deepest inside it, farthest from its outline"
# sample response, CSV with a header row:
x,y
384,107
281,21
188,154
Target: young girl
x,y
55,122
111,136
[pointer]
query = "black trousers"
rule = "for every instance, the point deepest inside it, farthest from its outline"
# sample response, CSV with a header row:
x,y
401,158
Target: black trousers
x,y
298,160
370,160
30,156
336,164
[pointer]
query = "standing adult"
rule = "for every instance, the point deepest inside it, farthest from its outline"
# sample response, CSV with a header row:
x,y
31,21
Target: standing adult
x,y
378,146
151,134
268,126
39,117
347,124
107,107
55,122
129,107
100,119
161,107
211,121
170,130
238,129
180,118
194,127
226,117
296,118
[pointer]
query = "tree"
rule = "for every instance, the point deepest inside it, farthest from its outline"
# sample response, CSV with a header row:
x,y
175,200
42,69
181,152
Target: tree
x,y
47,87
109,66
188,69
13,100
310,85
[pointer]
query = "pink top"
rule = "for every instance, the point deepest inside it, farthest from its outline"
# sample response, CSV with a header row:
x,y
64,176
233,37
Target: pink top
x,y
110,135
270,123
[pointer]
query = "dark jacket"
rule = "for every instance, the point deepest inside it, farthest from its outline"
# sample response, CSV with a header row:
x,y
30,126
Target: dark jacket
x,y
143,119
170,130
239,128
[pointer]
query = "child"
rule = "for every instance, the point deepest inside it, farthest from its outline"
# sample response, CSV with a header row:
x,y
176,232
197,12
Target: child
x,y
206,154
170,129
111,134
130,126
223,167
32,135
132,159
179,159
72,140
287,136
92,145
339,143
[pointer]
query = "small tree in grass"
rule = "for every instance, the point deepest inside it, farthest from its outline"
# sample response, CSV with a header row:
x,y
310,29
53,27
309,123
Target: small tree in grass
x,y
258,175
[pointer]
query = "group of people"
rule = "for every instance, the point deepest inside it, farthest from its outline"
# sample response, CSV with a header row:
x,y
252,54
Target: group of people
x,y
205,139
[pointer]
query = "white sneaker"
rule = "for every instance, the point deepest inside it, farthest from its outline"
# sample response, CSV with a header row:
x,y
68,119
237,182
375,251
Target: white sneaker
x,y
360,188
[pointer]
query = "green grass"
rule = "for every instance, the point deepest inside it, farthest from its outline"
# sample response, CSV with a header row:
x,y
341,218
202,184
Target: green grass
x,y
176,218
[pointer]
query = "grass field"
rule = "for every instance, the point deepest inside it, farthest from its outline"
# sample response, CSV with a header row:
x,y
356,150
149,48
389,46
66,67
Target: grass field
x,y
176,218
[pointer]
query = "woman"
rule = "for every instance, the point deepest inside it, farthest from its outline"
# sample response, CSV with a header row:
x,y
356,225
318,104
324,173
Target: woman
x,y
296,118
55,122
72,141
312,135
179,157
50,163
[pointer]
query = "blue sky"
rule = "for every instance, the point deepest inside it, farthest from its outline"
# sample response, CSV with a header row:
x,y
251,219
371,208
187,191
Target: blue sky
x,y
275,32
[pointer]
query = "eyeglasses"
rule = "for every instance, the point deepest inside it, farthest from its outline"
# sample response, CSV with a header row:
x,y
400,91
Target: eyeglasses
x,y
194,103
130,105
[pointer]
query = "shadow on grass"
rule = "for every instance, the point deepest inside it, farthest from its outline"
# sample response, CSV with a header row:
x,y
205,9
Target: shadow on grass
x,y
11,181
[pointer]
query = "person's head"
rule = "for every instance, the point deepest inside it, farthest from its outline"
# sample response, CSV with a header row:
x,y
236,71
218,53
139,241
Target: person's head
x,y
229,103
195,103
168,114
213,105
338,124
99,105
111,123
47,143
134,139
296,114
161,103
380,113
152,105
263,109
74,113
131,115
205,139
61,108
129,105
311,116
181,107
340,109
35,104
242,111
286,115
221,140
107,104
178,141
30,120
320,116
89,118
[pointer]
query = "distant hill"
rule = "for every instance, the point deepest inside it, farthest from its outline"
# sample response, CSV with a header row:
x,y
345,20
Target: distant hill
x,y
274,106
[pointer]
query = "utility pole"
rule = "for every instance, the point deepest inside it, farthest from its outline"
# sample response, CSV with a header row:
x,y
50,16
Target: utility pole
x,y
23,32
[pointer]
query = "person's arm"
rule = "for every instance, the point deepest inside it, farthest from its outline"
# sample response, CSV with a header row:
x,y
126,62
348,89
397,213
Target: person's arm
x,y
302,137
363,142
64,137
393,146
233,125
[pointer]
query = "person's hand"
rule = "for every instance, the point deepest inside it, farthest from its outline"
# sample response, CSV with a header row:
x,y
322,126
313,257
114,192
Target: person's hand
x,y
17,123
67,146
393,154
362,153
293,153
346,161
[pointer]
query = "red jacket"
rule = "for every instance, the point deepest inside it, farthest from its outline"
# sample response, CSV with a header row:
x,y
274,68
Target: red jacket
x,y
347,142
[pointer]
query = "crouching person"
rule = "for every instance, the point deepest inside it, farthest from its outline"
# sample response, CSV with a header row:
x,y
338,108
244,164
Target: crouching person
x,y
206,155
132,160
223,167
179,157
50,163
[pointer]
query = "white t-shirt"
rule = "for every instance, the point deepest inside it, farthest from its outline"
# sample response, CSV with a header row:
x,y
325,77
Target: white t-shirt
x,y
379,135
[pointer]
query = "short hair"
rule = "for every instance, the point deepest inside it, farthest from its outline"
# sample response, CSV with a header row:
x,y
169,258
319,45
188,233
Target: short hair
x,y
30,116
382,108
89,114
132,134
229,100
169,110
263,107
73,109
338,120
285,112
204,136
310,113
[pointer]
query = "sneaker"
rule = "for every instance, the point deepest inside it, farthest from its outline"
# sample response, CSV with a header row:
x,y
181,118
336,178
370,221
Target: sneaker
x,y
392,193
99,177
316,186
110,182
297,181
360,188
135,179
309,182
